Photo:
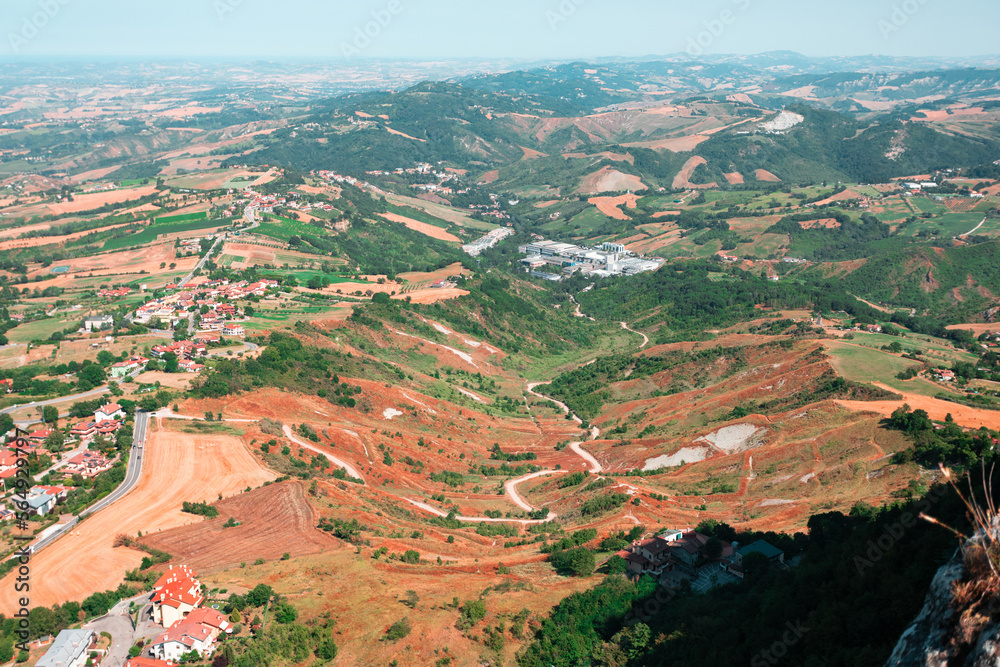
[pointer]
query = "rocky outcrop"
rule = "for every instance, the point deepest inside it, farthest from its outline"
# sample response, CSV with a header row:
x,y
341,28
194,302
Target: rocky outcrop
x,y
929,641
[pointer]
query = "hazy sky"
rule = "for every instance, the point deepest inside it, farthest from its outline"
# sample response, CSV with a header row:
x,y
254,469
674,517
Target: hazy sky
x,y
536,29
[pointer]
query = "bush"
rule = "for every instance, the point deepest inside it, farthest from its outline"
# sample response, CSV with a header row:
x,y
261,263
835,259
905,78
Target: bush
x,y
398,630
578,562
327,650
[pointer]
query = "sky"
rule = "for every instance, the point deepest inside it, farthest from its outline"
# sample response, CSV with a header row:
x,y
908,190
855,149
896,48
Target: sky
x,y
524,29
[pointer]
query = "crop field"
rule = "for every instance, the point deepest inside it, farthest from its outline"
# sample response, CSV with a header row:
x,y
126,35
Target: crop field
x,y
154,231
187,217
41,329
281,228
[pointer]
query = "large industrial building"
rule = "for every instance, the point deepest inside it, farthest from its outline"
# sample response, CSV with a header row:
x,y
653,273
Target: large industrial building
x,y
608,259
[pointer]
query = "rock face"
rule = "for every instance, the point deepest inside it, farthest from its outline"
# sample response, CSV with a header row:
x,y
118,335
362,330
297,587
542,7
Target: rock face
x,y
928,641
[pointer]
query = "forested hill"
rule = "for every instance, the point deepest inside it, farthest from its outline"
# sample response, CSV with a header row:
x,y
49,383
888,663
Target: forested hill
x,y
481,130
951,283
829,145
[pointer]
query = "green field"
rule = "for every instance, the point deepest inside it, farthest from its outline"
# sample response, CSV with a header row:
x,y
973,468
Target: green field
x,y
187,217
281,228
41,329
150,234
862,364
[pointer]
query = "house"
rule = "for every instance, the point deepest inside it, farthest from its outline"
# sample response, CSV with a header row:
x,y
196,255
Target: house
x,y
214,620
148,662
108,427
60,492
98,323
7,385
125,368
37,503
83,429
182,637
769,551
70,649
175,595
233,330
874,328
190,366
8,460
39,437
109,412
88,464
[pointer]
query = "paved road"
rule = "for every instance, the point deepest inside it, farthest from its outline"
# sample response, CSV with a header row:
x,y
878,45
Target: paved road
x,y
133,471
200,265
73,397
118,623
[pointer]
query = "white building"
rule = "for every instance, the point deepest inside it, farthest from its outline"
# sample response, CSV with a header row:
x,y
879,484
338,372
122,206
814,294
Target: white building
x,y
70,649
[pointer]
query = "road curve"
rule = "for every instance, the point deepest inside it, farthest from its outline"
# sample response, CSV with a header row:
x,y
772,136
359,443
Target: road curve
x,y
511,489
645,338
476,519
306,445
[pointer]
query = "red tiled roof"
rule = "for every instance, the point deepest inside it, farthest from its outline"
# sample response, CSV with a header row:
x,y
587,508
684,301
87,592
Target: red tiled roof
x,y
148,662
185,632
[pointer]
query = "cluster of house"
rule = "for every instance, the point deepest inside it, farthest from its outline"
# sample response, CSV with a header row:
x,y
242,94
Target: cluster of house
x,y
943,375
176,306
608,259
187,351
686,553
493,209
191,246
177,598
114,293
189,627
488,241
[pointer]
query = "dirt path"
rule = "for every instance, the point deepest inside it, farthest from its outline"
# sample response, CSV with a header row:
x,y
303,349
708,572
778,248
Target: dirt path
x,y
595,466
974,230
313,448
477,519
511,488
645,338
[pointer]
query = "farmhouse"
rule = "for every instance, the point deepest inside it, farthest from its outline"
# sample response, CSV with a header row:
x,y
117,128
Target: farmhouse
x,y
70,649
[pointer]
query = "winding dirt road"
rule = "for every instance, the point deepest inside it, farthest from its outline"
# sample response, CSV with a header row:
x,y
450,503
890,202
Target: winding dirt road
x,y
333,459
645,338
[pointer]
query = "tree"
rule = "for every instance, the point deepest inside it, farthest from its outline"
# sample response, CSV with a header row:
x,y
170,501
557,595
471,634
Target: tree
x,y
259,596
327,649
50,414
170,363
6,423
617,565
285,613
90,376
398,630
55,441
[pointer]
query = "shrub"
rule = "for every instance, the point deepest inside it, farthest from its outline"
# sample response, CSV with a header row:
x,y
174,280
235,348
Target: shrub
x,y
398,630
